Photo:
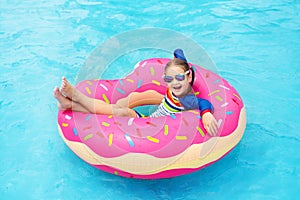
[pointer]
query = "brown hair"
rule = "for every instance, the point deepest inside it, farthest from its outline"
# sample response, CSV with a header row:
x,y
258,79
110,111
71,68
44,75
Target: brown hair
x,y
183,65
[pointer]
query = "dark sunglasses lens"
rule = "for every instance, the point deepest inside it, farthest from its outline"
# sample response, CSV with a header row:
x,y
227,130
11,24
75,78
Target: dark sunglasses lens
x,y
168,79
179,77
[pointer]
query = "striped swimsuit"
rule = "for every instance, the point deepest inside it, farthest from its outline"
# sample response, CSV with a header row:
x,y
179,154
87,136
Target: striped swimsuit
x,y
169,105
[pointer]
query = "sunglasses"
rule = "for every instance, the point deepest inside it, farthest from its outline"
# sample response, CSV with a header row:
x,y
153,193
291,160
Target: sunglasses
x,y
178,77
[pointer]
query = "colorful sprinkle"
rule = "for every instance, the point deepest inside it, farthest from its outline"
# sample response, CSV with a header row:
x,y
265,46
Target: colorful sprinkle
x,y
129,80
200,131
219,122
224,104
68,117
65,124
110,83
89,83
139,132
222,86
99,134
152,139
143,65
151,124
156,82
207,75
105,98
130,121
88,137
116,173
88,90
229,112
87,118
120,90
109,116
213,92
110,139
237,96
235,101
152,71
185,122
87,127
129,140
121,82
75,131
196,93
104,87
105,124
218,98
118,123
216,81
181,137
199,117
195,112
173,116
139,83
166,131
160,61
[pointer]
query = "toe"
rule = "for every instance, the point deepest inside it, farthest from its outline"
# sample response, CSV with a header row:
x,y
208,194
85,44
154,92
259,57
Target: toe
x,y
56,91
63,85
64,80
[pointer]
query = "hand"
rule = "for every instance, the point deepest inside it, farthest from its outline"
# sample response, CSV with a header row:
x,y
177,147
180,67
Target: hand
x,y
210,124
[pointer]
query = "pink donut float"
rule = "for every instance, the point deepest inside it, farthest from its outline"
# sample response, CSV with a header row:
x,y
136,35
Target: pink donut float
x,y
152,148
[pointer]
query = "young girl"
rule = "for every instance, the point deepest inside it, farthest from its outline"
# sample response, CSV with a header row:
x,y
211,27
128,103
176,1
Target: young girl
x,y
179,97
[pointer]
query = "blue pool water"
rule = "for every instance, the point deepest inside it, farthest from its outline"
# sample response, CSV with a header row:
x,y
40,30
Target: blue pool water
x,y
255,46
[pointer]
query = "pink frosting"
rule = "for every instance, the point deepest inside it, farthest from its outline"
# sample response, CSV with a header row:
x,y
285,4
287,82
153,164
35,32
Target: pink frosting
x,y
153,136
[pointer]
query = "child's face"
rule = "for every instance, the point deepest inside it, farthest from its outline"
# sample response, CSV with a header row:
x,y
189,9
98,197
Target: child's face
x,y
179,88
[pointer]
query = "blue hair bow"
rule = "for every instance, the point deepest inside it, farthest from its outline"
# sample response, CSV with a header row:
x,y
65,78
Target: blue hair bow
x,y
178,53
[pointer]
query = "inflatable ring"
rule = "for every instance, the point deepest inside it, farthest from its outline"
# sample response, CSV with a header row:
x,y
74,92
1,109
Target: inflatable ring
x,y
151,148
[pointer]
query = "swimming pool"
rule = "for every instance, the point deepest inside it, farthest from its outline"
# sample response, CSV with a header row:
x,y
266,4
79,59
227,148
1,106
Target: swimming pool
x,y
254,45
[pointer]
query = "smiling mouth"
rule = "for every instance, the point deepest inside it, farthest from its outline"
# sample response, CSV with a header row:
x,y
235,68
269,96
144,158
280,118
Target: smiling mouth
x,y
177,87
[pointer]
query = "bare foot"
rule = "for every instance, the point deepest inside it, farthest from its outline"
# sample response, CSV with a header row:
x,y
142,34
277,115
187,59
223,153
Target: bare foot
x,y
68,90
63,102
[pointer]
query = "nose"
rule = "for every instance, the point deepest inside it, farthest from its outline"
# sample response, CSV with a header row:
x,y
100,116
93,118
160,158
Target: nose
x,y
175,81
